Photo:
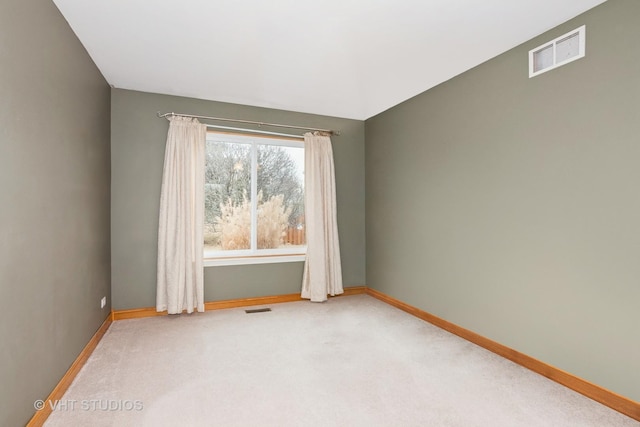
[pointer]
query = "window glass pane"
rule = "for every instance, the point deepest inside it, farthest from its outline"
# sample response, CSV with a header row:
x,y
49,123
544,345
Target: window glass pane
x,y
280,197
568,47
543,58
227,196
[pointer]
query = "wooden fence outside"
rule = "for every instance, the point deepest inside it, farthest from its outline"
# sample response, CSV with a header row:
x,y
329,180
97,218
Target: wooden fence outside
x,y
295,236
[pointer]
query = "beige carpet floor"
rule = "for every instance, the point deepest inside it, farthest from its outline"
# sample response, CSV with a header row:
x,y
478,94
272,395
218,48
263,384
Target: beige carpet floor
x,y
351,361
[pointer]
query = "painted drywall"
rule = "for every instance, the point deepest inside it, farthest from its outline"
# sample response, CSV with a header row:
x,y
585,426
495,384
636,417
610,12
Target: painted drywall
x,y
137,156
510,206
54,202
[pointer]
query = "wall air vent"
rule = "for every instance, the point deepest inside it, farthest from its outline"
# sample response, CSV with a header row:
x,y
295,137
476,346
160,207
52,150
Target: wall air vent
x,y
557,52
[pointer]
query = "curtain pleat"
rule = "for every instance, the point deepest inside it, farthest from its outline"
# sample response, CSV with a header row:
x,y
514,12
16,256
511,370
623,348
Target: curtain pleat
x,y
322,268
180,284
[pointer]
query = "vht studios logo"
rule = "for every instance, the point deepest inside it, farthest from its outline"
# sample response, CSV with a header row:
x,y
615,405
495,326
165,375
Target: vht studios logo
x,y
89,405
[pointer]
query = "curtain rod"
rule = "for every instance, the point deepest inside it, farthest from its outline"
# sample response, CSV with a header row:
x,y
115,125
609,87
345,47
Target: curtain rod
x,y
251,122
261,132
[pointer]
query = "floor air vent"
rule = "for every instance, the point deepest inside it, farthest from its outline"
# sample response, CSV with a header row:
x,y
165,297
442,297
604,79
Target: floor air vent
x,y
257,310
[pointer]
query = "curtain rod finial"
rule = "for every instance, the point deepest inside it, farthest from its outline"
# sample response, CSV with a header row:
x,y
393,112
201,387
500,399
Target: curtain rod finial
x,y
165,115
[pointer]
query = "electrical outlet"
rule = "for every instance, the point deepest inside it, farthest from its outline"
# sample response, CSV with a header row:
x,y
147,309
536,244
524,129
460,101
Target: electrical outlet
x,y
103,302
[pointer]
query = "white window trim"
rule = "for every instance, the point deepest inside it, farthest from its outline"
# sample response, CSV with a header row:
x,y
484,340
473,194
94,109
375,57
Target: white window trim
x,y
269,259
257,256
582,51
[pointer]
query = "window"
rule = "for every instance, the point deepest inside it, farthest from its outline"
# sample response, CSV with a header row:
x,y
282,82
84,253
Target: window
x,y
254,199
564,49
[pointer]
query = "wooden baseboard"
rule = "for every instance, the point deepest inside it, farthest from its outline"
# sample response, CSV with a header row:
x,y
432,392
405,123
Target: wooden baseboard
x,y
41,416
608,398
137,313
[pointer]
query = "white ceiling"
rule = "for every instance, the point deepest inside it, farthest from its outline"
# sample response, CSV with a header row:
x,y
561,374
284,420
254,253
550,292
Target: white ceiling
x,y
344,58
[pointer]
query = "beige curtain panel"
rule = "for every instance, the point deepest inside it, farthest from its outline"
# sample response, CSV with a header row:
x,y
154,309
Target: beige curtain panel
x,y
322,268
180,283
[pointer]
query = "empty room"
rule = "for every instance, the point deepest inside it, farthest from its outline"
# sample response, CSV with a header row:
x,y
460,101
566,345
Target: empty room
x,y
329,213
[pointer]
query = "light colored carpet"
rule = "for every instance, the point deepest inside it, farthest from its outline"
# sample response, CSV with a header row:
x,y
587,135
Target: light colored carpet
x,y
351,361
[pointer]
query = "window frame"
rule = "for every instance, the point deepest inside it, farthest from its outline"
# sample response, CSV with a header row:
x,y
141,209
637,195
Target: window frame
x,y
254,255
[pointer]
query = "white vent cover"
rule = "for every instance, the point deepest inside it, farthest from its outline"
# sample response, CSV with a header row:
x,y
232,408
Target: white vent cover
x,y
557,52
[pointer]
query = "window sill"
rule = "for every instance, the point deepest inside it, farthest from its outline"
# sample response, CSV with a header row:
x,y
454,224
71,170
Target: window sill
x,y
268,259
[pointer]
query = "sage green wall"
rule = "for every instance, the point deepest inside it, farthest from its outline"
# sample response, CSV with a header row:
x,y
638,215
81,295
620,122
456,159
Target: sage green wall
x,y
511,206
54,202
137,156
